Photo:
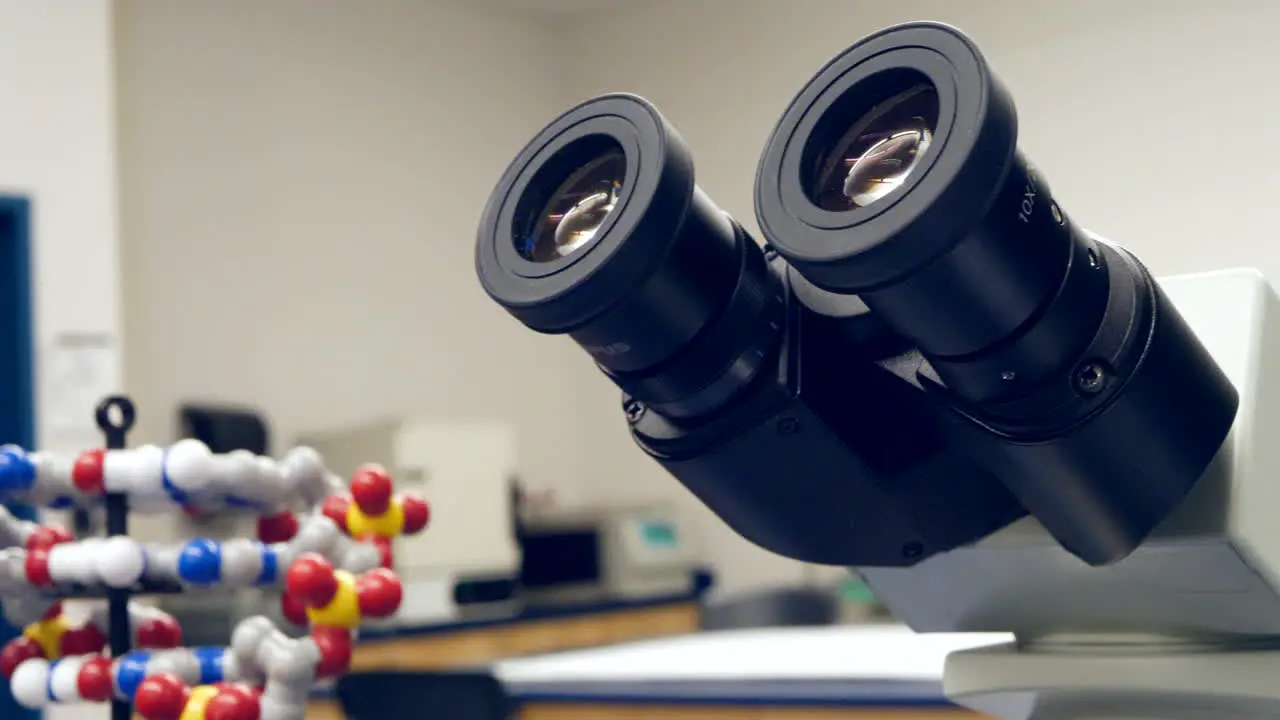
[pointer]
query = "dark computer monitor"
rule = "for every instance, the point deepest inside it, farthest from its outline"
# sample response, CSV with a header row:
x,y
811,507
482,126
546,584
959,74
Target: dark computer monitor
x,y
225,429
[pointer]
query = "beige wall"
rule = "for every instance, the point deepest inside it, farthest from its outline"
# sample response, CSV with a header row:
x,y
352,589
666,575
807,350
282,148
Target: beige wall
x,y
302,181
1151,119
56,148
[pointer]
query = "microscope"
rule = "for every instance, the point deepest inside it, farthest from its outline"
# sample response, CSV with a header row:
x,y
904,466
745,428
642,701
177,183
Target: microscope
x,y
930,373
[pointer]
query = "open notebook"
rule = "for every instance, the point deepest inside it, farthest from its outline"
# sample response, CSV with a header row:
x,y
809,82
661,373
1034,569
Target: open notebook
x,y
827,665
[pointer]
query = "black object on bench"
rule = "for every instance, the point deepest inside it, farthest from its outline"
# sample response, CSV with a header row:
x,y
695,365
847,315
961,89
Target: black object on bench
x,y
416,695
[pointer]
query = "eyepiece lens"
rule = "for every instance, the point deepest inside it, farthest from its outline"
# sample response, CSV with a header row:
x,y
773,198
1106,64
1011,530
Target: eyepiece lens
x,y
878,151
575,209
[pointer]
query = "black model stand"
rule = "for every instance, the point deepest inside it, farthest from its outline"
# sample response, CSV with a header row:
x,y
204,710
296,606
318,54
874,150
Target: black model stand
x,y
115,416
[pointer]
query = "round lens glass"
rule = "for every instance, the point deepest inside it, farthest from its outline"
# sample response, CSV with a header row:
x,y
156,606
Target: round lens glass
x,y
576,209
878,152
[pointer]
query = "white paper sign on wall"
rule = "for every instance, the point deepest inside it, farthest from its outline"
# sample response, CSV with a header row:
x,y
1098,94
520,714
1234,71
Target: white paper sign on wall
x,y
79,370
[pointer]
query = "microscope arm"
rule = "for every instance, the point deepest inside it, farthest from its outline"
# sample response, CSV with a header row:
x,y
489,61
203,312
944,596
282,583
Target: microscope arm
x,y
1186,627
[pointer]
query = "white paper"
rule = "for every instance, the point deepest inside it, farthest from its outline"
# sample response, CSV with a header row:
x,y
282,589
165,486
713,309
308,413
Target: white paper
x,y
79,371
850,652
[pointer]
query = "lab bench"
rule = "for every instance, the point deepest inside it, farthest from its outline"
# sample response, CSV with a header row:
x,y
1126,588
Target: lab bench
x,y
527,631
882,671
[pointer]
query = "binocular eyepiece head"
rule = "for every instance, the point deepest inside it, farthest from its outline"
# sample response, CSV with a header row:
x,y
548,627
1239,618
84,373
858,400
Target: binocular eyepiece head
x,y
1030,365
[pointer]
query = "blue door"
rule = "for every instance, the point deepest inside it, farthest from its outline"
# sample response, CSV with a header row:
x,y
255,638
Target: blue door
x,y
17,378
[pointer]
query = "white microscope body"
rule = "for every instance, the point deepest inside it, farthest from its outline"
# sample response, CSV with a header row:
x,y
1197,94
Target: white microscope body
x,y
1185,628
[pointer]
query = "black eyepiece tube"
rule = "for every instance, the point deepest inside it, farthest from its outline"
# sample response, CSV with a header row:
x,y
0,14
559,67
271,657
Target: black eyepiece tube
x,y
597,230
895,176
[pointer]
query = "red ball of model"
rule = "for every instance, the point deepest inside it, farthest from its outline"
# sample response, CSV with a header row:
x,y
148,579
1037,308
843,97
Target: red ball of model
x,y
277,528
379,593
371,489
36,568
87,472
159,633
335,508
46,536
94,679
18,651
311,580
334,645
417,513
161,697
293,609
233,702
84,640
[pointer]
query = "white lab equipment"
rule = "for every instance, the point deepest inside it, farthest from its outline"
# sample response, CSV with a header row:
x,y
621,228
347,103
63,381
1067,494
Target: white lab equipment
x,y
626,551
